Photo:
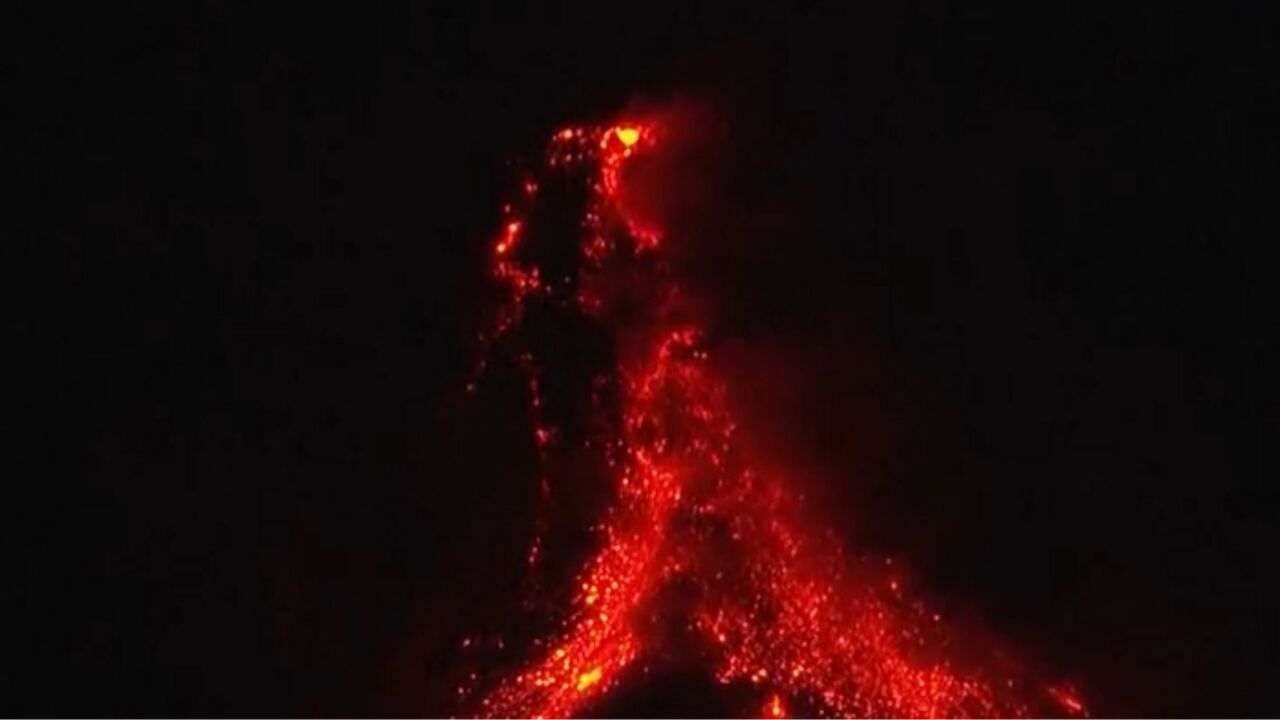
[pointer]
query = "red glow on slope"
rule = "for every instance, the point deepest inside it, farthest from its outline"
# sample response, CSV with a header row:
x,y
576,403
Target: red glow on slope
x,y
1068,699
775,605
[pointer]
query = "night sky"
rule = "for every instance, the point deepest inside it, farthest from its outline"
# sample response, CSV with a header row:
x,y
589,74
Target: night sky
x,y
998,276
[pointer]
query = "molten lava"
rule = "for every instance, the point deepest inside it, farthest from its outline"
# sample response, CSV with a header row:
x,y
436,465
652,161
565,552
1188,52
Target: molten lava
x,y
762,600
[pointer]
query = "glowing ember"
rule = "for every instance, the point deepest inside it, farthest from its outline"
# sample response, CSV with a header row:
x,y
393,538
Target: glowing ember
x,y
628,135
588,678
1068,699
774,708
773,605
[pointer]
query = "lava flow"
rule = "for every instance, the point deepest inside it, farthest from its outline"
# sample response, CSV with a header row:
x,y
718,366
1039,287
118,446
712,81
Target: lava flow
x,y
692,537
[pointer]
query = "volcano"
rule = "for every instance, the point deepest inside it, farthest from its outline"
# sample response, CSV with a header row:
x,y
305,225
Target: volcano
x,y
693,559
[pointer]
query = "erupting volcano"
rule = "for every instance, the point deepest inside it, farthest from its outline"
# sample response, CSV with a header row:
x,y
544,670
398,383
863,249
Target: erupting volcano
x,y
695,553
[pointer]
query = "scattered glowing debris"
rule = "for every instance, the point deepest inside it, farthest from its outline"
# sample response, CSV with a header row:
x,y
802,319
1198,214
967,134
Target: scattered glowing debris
x,y
508,239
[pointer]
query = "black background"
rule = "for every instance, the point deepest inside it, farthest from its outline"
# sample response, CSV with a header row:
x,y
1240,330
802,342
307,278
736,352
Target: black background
x,y
1024,282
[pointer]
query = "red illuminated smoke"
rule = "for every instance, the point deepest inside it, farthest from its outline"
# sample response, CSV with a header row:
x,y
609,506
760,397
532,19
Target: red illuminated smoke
x,y
770,603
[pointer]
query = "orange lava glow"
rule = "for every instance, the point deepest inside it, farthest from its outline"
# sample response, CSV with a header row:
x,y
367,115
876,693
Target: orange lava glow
x,y
773,604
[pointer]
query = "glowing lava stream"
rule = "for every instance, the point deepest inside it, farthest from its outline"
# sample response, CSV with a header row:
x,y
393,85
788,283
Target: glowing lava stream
x,y
771,604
